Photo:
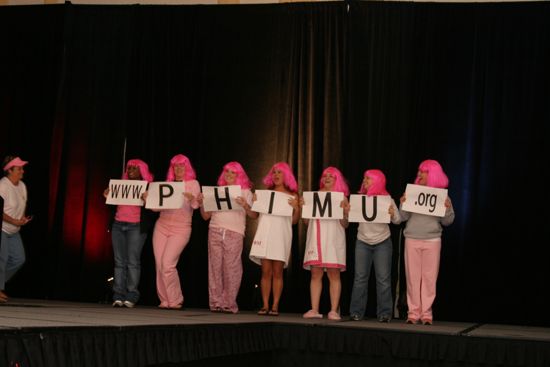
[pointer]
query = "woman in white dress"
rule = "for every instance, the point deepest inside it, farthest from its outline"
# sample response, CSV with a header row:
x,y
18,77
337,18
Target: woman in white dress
x,y
326,248
271,245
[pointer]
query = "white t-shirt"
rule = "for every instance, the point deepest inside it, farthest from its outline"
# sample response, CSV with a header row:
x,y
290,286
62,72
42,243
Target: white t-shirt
x,y
15,201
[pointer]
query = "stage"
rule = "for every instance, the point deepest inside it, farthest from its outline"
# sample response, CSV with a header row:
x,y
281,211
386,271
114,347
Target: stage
x,y
51,333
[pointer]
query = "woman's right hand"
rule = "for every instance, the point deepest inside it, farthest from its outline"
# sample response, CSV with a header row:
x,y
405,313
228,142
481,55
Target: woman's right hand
x,y
403,198
106,193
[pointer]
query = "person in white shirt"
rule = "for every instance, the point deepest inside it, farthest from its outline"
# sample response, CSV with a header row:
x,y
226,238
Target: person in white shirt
x,y
14,193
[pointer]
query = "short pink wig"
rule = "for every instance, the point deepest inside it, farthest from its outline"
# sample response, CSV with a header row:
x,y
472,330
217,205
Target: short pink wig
x,y
436,177
143,170
288,177
241,178
340,184
189,171
378,185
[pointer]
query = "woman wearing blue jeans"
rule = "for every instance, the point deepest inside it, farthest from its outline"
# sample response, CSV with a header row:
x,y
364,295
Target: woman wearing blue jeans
x,y
374,245
128,234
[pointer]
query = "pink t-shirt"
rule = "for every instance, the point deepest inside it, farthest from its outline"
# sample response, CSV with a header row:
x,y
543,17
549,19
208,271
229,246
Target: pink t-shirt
x,y
128,213
233,220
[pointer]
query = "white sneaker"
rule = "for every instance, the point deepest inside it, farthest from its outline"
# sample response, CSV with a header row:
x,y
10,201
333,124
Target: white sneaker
x,y
118,303
129,304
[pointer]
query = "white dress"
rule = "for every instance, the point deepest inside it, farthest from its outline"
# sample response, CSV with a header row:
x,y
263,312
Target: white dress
x,y
273,239
325,244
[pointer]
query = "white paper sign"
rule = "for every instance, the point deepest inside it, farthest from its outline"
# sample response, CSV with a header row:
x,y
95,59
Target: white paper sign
x,y
165,195
273,203
323,205
221,198
369,209
126,192
425,200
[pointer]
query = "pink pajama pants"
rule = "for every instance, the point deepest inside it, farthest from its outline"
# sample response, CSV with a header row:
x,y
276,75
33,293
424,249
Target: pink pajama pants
x,y
168,244
225,268
421,267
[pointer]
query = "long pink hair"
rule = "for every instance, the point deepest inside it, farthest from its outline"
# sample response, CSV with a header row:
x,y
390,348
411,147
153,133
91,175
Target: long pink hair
x,y
436,177
143,170
288,177
241,176
378,185
340,183
189,171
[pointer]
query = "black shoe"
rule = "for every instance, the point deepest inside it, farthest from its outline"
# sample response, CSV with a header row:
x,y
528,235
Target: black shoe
x,y
385,319
355,318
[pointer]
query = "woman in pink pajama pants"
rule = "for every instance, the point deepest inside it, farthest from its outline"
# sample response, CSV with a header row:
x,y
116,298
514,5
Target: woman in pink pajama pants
x,y
423,246
225,242
172,232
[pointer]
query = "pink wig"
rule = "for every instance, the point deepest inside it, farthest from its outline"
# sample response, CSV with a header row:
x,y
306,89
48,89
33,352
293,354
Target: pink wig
x,y
288,177
340,183
143,170
189,171
436,177
241,176
378,185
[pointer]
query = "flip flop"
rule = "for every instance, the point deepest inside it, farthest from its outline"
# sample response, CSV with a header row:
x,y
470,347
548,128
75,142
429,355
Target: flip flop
x,y
262,312
273,313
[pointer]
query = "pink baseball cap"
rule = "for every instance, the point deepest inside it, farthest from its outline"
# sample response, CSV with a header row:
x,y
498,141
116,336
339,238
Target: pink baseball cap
x,y
16,162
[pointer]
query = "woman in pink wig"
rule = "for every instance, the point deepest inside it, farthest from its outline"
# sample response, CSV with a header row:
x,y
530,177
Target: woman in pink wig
x,y
326,248
128,234
172,233
374,246
423,246
273,239
225,242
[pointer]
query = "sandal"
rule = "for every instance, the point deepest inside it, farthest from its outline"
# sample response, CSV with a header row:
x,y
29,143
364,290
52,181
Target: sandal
x,y
273,312
262,312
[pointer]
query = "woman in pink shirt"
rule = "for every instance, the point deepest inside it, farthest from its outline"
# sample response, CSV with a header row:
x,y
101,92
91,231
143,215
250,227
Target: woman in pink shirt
x,y
128,235
225,242
172,233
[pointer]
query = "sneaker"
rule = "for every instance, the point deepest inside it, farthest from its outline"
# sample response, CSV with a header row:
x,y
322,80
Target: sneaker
x,y
333,315
312,315
118,303
129,304
427,322
385,319
412,321
355,318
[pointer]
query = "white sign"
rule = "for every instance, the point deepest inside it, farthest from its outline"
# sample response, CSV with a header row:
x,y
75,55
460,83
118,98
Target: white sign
x,y
126,192
218,198
273,203
425,200
369,209
165,195
323,205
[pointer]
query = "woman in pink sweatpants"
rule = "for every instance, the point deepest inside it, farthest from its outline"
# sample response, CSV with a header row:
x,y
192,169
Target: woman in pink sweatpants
x,y
172,232
225,242
423,246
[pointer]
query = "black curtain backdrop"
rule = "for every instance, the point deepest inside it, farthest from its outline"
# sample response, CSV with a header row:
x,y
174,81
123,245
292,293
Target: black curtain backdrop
x,y
357,85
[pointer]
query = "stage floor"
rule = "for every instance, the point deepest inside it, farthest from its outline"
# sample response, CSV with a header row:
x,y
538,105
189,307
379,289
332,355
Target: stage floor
x,y
28,323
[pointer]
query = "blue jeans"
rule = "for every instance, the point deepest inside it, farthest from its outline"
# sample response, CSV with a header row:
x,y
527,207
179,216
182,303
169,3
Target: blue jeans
x,y
127,245
365,256
12,256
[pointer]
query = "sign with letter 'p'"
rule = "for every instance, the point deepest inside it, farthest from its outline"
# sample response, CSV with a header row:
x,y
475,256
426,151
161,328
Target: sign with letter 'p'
x,y
425,200
126,192
165,195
